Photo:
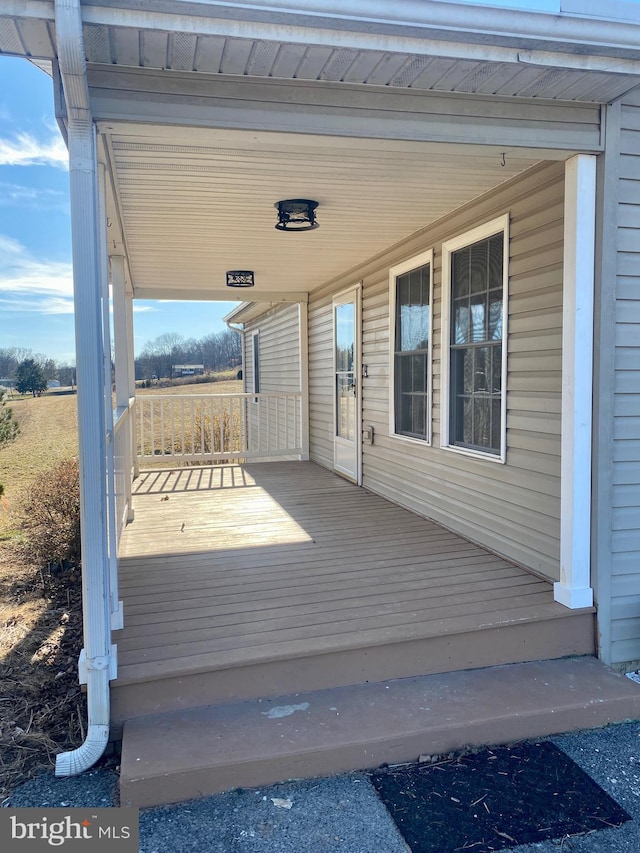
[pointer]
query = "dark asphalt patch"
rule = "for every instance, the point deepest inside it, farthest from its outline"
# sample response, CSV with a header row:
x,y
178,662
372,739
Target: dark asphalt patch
x,y
495,799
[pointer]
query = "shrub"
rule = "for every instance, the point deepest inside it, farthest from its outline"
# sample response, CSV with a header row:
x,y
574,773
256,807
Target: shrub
x,y
49,514
9,428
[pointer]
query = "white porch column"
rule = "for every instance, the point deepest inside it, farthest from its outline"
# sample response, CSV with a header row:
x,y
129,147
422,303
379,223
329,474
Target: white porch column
x,y
123,357
131,372
98,655
112,501
574,589
303,315
120,336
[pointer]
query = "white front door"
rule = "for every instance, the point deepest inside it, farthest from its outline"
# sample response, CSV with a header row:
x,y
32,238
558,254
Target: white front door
x,y
347,372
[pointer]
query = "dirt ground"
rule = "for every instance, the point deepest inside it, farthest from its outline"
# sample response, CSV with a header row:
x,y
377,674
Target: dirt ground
x,y
42,708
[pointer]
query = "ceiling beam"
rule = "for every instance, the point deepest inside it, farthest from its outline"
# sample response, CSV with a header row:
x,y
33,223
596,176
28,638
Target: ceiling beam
x,y
204,100
228,294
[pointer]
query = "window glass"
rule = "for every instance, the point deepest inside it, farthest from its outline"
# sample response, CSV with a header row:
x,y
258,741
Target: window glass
x,y
476,345
411,352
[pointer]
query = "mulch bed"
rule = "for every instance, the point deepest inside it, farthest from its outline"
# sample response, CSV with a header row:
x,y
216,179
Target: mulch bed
x,y
42,707
495,799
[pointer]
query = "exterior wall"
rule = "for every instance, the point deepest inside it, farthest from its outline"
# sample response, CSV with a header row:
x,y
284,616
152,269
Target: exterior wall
x,y
279,357
279,350
617,422
514,508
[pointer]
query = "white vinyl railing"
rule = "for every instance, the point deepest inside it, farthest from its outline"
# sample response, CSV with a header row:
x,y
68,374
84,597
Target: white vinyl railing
x,y
219,427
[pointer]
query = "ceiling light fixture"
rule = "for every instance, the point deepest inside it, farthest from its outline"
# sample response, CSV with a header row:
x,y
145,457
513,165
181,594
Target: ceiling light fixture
x,y
296,214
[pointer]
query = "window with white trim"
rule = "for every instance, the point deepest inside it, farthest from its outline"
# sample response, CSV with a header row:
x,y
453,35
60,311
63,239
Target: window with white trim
x,y
410,298
474,334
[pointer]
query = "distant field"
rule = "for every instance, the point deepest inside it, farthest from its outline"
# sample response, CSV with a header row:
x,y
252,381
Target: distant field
x,y
226,386
49,432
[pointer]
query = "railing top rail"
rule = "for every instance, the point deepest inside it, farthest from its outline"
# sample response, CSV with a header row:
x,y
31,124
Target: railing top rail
x,y
248,395
120,415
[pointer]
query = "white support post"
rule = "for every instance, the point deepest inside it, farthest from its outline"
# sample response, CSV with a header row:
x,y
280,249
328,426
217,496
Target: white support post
x,y
90,383
574,589
110,482
303,315
122,358
131,371
120,336
98,654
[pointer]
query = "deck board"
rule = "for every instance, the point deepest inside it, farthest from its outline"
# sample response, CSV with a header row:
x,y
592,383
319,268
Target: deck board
x,y
243,563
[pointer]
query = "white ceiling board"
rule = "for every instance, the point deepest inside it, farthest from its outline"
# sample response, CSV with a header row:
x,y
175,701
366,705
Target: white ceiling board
x,y
195,204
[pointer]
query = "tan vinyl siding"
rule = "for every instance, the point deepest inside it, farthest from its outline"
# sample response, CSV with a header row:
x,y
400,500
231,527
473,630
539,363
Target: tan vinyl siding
x,y
279,350
279,364
625,444
513,509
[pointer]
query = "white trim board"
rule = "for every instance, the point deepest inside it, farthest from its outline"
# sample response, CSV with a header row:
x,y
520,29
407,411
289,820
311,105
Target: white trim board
x,y
574,588
482,232
416,261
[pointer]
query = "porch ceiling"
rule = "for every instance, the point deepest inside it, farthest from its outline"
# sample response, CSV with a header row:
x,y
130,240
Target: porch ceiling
x,y
187,204
195,202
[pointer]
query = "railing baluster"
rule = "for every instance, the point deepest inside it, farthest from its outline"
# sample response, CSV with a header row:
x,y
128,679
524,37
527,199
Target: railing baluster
x,y
162,429
141,448
153,429
221,426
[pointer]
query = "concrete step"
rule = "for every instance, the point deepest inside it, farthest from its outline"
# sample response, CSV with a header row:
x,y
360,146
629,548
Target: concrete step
x,y
183,755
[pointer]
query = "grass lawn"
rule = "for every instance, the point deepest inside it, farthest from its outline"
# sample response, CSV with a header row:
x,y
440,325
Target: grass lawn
x,y
48,433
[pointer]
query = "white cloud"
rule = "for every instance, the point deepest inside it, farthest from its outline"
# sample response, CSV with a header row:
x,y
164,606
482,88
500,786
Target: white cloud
x,y
34,285
38,305
26,150
38,197
9,246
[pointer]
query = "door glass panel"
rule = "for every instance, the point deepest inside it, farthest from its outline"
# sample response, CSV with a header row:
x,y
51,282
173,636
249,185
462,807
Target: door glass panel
x,y
346,406
345,335
345,331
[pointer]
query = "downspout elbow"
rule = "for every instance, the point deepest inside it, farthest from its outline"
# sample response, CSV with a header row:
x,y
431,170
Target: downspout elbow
x,y
85,756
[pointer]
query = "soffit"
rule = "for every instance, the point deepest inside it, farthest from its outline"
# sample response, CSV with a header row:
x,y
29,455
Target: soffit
x,y
422,60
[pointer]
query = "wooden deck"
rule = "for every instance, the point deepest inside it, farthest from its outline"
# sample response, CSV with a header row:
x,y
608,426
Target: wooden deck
x,y
241,565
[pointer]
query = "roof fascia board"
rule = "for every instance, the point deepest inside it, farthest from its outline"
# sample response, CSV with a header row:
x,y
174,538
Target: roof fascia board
x,y
436,29
361,20
42,10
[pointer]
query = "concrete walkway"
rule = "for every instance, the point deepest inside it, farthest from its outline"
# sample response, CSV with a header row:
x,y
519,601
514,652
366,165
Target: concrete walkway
x,y
340,813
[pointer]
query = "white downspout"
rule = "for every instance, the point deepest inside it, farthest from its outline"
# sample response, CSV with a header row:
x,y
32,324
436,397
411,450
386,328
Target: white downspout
x,y
90,379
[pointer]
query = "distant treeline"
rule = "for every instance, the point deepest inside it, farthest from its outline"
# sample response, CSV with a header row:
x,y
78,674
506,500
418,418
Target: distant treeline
x,y
11,357
218,351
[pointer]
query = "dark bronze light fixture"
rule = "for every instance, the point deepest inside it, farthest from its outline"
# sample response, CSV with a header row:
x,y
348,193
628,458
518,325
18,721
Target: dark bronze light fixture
x,y
240,278
296,214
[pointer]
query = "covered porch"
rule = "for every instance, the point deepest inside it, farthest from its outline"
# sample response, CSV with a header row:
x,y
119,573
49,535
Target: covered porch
x,y
256,580
185,128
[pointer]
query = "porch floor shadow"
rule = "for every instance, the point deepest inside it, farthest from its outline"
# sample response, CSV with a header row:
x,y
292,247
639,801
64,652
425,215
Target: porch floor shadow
x,y
243,581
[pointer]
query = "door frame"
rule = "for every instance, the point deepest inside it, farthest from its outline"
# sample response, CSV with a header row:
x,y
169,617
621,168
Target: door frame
x,y
355,291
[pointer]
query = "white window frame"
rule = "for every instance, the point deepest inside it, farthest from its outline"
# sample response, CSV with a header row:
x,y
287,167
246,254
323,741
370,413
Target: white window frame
x,y
413,263
482,232
255,363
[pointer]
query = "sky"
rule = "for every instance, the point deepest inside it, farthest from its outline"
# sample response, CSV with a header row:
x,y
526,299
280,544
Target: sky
x,y
36,288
